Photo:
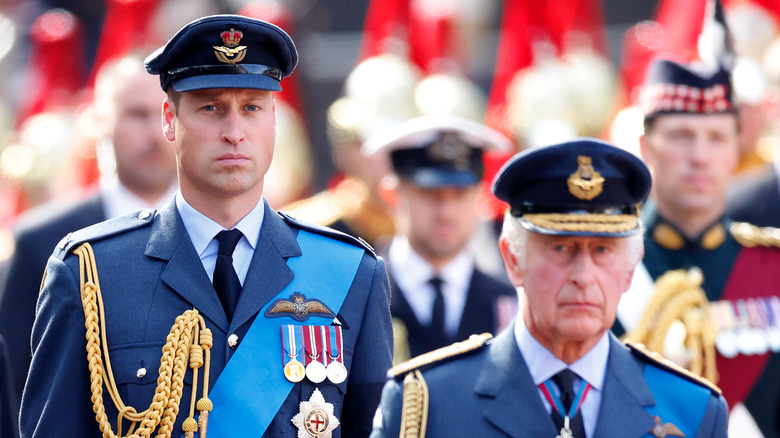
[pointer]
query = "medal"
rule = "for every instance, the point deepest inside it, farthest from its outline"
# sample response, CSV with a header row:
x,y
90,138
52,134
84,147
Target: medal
x,y
294,370
760,345
772,307
557,405
315,418
315,370
726,341
337,372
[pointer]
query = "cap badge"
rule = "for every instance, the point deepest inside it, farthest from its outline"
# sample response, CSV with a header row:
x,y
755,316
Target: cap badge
x,y
231,52
450,148
298,308
315,418
585,183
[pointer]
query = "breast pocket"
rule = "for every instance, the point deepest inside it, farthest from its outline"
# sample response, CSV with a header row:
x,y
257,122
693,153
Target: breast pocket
x,y
136,371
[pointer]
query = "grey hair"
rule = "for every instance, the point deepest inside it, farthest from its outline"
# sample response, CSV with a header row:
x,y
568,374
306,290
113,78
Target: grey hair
x,y
516,236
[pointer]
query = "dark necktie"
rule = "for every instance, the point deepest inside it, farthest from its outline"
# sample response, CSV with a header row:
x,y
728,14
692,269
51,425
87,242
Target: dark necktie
x,y
437,317
226,281
565,381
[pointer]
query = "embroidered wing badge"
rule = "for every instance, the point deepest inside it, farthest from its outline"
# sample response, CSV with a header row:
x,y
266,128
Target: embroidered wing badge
x,y
299,308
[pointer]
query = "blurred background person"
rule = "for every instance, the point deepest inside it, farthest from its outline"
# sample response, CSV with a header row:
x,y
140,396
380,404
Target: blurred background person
x,y
438,295
138,171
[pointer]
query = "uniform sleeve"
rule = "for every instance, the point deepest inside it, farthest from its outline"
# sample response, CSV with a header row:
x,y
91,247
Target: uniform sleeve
x,y
56,399
714,424
372,358
387,422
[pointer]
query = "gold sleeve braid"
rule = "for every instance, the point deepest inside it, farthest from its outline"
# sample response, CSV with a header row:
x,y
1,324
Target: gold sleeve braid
x,y
678,297
189,340
414,410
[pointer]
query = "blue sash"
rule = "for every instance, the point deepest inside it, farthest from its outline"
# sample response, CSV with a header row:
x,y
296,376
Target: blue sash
x,y
252,387
677,400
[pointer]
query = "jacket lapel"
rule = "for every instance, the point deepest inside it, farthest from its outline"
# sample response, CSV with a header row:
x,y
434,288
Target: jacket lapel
x,y
268,273
625,396
513,404
184,272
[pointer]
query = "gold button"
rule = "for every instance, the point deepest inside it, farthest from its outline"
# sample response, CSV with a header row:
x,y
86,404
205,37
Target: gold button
x,y
233,341
140,373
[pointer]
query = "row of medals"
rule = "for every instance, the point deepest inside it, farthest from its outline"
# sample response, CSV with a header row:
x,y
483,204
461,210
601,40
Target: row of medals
x,y
315,371
748,326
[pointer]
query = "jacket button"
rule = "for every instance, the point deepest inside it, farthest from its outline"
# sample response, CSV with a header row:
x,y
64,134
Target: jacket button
x,y
233,341
140,373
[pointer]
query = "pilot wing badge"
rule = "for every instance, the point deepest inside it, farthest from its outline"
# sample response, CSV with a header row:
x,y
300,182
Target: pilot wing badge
x,y
299,308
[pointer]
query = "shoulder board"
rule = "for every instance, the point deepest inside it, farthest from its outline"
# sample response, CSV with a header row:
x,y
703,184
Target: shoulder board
x,y
750,235
322,208
105,229
658,360
330,232
472,344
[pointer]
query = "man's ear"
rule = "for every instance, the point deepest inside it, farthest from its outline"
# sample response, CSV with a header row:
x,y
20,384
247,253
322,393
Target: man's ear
x,y
510,263
168,116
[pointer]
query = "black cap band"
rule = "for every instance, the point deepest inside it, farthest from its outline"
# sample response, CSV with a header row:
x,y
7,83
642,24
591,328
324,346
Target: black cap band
x,y
224,69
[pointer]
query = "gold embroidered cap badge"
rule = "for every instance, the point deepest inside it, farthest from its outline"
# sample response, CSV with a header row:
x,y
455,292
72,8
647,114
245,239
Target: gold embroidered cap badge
x,y
585,183
231,52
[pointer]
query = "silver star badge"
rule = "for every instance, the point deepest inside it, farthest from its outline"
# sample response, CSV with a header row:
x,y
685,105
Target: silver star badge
x,y
315,419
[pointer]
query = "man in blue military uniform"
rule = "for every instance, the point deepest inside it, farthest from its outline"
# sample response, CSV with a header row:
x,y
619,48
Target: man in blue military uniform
x,y
571,239
292,338
439,295
691,144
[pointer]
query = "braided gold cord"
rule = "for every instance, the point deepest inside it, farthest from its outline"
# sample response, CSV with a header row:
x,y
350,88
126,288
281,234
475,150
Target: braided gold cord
x,y
599,223
751,235
678,297
188,339
414,410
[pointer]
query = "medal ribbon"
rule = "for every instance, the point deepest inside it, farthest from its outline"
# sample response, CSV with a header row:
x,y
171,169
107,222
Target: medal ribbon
x,y
327,266
289,335
313,348
555,401
334,345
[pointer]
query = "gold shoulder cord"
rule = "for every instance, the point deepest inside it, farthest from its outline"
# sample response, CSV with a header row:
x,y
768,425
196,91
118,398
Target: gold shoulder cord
x,y
189,338
414,410
678,297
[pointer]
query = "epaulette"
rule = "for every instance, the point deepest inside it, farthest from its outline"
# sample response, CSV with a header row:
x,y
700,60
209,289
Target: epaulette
x,y
102,230
330,232
470,345
750,235
658,360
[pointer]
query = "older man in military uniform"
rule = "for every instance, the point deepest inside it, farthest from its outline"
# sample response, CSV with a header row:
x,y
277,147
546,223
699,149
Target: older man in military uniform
x,y
292,337
439,296
691,145
571,239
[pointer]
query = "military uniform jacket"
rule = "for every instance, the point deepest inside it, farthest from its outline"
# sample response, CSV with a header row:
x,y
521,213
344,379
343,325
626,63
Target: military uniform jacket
x,y
757,200
490,393
480,314
41,229
149,274
731,272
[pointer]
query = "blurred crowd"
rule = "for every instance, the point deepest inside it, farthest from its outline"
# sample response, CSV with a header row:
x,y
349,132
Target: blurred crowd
x,y
552,78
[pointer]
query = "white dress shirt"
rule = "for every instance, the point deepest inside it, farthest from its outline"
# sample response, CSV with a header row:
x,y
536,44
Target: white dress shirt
x,y
412,273
543,365
203,230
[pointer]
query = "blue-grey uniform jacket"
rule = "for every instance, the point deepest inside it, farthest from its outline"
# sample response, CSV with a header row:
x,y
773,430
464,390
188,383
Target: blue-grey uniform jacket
x,y
489,392
149,274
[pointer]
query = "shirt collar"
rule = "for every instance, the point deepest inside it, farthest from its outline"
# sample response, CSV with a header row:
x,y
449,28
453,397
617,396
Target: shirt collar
x,y
202,229
411,271
542,364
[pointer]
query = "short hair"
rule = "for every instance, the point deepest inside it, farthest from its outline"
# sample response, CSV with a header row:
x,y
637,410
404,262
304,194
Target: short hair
x,y
175,97
516,236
